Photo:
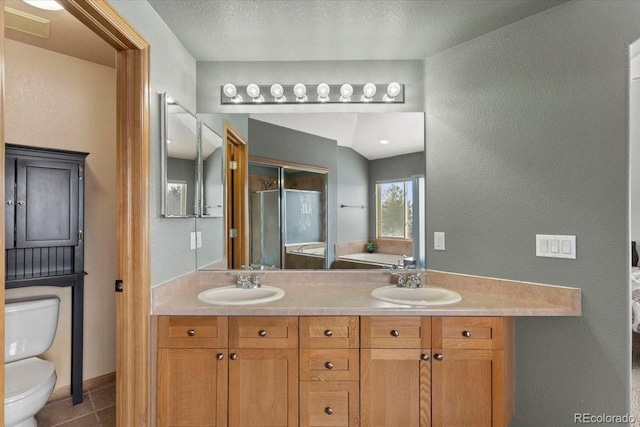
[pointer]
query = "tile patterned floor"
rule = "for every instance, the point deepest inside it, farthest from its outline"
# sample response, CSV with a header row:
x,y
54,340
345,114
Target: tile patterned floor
x,y
97,410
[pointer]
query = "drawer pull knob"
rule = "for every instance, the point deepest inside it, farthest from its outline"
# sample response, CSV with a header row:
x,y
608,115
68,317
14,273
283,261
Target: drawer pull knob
x,y
262,333
328,332
220,356
395,333
328,410
191,332
466,334
425,356
438,356
329,365
233,356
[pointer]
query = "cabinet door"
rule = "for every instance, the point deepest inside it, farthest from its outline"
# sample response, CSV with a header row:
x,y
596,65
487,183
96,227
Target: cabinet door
x,y
9,201
263,387
395,388
192,387
462,386
46,203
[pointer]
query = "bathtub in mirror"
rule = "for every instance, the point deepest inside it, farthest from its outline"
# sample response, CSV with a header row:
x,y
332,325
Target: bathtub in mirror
x,y
361,173
179,159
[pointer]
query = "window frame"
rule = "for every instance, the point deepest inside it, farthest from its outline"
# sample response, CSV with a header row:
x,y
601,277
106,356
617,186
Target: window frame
x,y
406,182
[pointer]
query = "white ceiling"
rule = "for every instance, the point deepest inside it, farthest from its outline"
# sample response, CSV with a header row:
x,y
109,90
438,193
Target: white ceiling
x,y
301,30
360,131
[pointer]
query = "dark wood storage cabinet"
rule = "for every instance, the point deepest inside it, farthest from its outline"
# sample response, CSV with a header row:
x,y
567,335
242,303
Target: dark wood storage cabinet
x,y
44,221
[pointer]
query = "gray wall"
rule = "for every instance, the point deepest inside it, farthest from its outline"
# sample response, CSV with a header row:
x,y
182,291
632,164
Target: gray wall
x,y
173,70
213,75
280,143
400,167
527,132
184,170
353,186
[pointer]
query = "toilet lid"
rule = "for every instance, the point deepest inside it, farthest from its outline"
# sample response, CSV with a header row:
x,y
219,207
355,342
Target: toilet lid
x,y
24,377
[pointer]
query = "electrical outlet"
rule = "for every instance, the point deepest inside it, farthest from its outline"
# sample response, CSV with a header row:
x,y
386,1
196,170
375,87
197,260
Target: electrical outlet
x,y
193,240
438,240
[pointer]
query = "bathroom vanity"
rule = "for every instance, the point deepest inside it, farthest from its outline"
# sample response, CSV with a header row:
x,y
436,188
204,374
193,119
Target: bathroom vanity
x,y
328,354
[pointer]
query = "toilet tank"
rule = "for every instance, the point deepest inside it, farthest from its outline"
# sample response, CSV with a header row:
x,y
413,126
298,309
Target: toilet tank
x,y
30,326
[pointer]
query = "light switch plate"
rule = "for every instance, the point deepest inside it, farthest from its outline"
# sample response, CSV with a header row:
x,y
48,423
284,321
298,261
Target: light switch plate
x,y
198,239
555,246
193,240
438,240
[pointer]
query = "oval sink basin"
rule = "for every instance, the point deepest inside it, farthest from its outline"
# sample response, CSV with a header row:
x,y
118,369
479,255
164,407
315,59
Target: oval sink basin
x,y
232,295
416,296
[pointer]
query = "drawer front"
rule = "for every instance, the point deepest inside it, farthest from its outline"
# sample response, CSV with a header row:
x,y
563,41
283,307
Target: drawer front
x,y
468,332
263,332
339,364
329,332
395,332
329,404
192,332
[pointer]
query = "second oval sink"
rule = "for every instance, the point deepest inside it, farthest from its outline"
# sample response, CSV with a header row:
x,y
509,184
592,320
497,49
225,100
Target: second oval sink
x,y
416,296
232,295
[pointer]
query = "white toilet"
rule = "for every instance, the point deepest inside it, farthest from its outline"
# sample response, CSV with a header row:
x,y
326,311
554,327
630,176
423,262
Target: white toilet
x,y
30,325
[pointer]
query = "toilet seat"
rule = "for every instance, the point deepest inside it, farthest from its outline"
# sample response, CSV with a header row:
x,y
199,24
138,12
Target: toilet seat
x,y
24,378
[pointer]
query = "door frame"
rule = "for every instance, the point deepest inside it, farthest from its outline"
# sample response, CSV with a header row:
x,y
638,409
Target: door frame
x,y
237,199
133,307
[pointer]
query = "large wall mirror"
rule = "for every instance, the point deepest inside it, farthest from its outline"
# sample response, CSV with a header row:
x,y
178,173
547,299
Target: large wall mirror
x,y
364,175
179,151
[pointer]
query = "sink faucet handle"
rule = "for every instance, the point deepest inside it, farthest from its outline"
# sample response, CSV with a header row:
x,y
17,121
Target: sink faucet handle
x,y
401,280
256,278
247,267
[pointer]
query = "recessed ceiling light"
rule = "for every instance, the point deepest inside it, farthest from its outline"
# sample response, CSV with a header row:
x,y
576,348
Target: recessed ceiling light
x,y
383,141
44,4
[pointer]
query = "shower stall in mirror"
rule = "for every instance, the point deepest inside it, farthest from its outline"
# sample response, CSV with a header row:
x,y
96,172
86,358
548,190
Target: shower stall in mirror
x,y
288,216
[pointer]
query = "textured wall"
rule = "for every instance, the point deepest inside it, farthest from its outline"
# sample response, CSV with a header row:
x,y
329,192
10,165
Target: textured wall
x,y
57,101
173,70
527,132
352,187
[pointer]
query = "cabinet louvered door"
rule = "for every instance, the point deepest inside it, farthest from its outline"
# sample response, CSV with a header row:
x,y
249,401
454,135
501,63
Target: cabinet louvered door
x,y
46,203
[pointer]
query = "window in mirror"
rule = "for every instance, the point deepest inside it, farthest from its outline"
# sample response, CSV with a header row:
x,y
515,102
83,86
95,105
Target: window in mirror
x,y
394,209
176,198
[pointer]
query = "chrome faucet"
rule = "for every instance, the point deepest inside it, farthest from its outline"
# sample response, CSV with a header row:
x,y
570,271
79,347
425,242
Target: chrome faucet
x,y
409,281
301,249
249,281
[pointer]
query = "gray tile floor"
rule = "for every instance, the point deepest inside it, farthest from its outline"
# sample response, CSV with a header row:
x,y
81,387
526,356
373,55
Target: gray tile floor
x,y
97,409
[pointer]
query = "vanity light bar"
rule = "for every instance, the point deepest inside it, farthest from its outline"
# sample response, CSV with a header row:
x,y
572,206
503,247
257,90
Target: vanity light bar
x,y
323,93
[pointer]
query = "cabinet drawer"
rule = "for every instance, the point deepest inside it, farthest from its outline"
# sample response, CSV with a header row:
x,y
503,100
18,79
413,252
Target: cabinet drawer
x,y
329,332
263,332
192,332
468,332
339,364
395,332
329,403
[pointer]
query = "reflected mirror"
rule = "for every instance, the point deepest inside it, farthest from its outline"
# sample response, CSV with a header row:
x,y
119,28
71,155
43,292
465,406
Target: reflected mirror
x,y
179,151
374,187
210,224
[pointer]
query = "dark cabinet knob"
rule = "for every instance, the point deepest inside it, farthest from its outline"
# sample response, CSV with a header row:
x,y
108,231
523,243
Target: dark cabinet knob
x,y
328,332
438,356
262,333
21,202
395,333
328,410
9,202
233,356
220,356
425,356
191,332
328,365
466,334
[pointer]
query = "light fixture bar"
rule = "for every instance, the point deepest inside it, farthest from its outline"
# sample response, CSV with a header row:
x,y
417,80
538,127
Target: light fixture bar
x,y
368,93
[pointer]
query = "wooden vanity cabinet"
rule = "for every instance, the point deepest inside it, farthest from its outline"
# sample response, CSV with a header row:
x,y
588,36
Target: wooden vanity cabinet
x,y
263,371
472,371
192,371
395,378
329,371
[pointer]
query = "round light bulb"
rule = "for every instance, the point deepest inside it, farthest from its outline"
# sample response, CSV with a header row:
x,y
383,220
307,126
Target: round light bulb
x,y
346,90
277,90
393,89
253,90
369,90
229,90
323,90
300,90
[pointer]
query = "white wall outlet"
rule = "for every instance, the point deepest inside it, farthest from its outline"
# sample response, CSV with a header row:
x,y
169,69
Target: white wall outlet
x,y
198,239
555,246
193,240
438,240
